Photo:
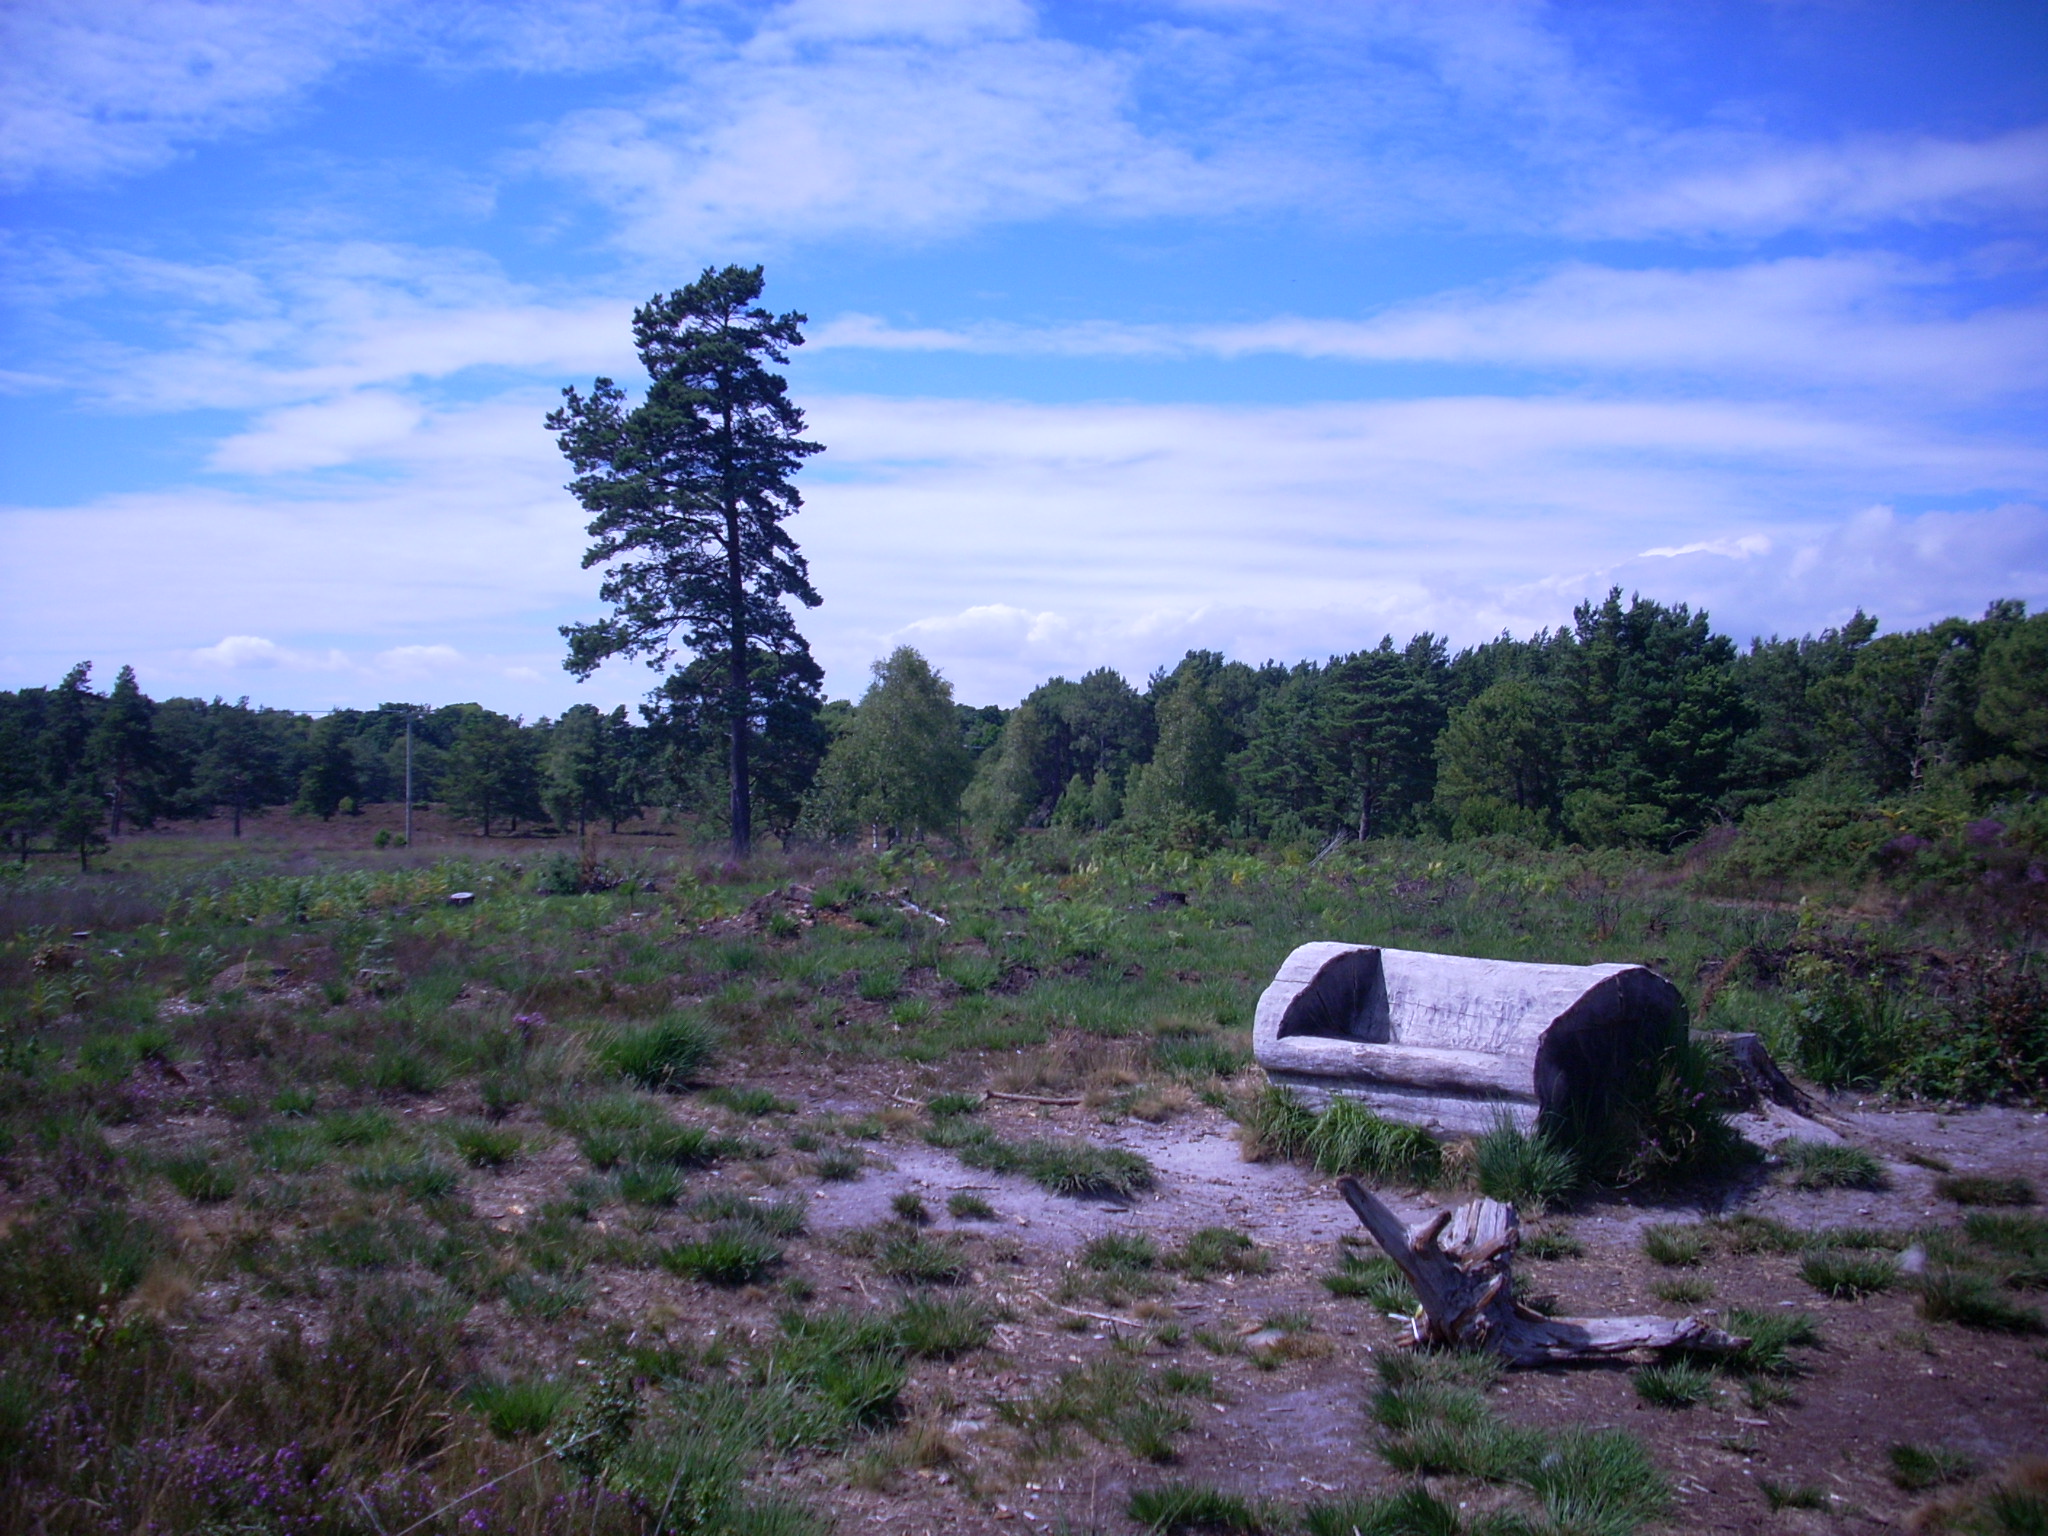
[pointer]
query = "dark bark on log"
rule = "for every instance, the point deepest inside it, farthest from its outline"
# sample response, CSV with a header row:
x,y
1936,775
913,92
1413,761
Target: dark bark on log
x,y
1461,1264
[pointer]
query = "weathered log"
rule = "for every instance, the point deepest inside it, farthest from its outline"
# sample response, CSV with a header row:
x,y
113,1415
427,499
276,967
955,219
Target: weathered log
x,y
1461,1264
1454,1044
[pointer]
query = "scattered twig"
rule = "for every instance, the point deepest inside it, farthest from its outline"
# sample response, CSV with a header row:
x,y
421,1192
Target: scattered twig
x,y
1031,1098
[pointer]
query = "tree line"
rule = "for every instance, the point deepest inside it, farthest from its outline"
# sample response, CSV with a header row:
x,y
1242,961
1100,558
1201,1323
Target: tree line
x,y
1635,725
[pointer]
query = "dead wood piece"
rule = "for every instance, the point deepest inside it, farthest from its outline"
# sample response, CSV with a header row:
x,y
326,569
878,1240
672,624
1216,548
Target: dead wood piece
x,y
1031,1098
1461,1265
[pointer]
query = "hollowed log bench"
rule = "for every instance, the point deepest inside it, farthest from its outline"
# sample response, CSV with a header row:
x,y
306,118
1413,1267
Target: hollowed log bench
x,y
1453,1044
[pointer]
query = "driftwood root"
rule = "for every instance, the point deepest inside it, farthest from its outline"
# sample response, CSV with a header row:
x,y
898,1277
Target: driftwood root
x,y
1461,1265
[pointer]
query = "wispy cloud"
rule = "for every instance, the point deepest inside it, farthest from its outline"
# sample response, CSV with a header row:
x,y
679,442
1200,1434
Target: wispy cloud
x,y
1871,321
96,87
1853,184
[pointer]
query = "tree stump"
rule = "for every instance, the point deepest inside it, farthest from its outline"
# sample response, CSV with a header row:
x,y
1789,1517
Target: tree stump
x,y
1461,1264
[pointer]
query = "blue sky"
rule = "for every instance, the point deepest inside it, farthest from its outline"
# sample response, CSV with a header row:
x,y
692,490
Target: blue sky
x,y
1265,327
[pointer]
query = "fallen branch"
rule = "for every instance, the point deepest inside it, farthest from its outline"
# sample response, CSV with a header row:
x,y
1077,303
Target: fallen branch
x,y
1461,1265
1031,1098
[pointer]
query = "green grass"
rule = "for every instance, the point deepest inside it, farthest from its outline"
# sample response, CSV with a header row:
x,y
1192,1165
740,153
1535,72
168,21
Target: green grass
x,y
1917,1468
1684,1290
908,1205
1119,1250
1075,1168
1527,1171
1674,1384
937,1327
1193,1509
1781,1496
517,1409
1413,1511
1349,1138
1773,1336
1673,1244
483,1145
1373,1278
200,1177
941,1105
1974,1301
1211,1251
918,1258
655,1184
1982,1189
732,1253
1849,1276
1552,1243
1112,1401
753,1102
671,1053
1830,1165
965,1205
840,1166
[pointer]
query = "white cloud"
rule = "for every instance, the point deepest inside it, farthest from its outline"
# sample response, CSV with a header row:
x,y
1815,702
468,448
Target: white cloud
x,y
419,658
1866,321
91,87
237,653
1011,541
1852,184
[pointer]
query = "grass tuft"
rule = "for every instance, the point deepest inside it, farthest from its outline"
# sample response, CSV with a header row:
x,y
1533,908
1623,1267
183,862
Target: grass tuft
x,y
1677,1245
1675,1384
966,1205
732,1253
1974,1301
1192,1509
1848,1275
1916,1468
1349,1138
1530,1172
1982,1189
1830,1165
671,1053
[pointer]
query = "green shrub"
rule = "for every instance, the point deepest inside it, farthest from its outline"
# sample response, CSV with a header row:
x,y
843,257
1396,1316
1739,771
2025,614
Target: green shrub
x,y
1830,1165
1349,1138
1529,1172
1981,1189
1848,1275
670,1053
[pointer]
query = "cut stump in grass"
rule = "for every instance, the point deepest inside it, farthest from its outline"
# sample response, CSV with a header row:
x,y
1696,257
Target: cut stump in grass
x,y
1461,1264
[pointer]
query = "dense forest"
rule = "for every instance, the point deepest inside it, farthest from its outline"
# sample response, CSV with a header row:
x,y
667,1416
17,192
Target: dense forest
x,y
1636,726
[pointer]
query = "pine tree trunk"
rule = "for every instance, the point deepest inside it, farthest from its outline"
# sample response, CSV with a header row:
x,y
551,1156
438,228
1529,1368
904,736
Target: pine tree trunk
x,y
741,803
